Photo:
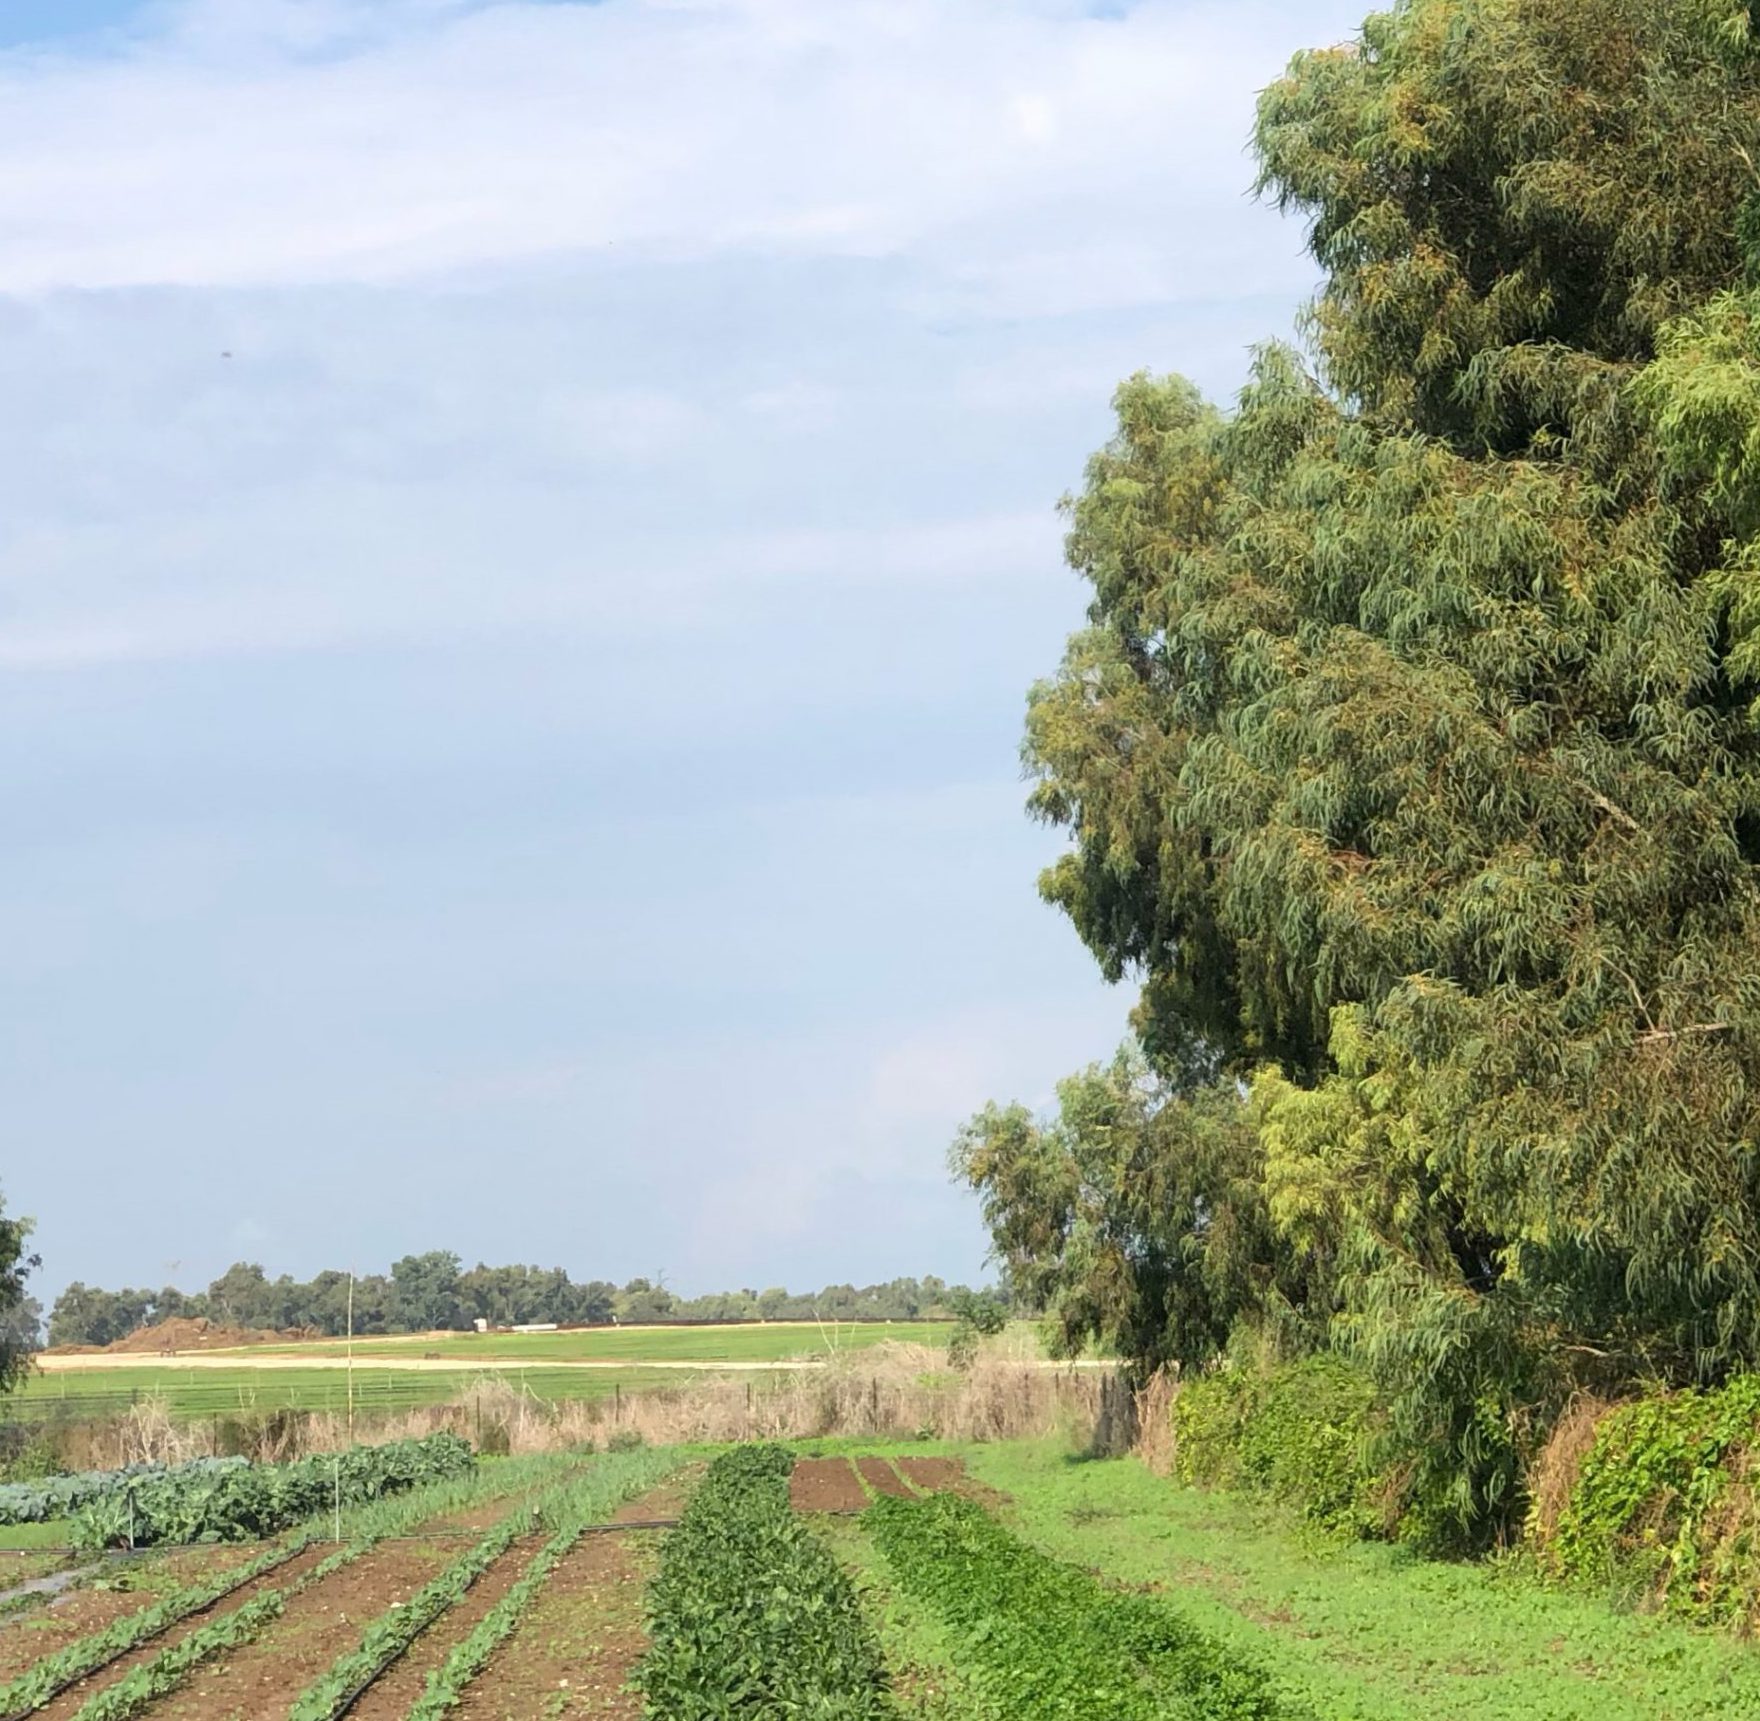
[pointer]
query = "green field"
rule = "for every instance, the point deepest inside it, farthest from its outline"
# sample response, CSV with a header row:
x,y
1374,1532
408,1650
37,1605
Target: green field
x,y
199,1392
259,1378
775,1341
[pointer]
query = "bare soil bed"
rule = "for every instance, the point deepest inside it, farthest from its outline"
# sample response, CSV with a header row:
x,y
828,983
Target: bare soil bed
x,y
389,1698
262,1679
25,1638
826,1485
68,1704
882,1478
932,1475
574,1652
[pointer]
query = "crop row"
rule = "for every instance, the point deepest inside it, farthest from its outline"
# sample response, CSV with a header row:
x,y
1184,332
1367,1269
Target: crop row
x,y
750,1614
54,1673
1044,1641
241,1503
364,1526
60,1496
615,1479
388,1636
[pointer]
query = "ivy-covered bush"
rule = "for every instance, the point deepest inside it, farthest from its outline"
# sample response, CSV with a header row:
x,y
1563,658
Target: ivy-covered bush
x,y
1664,1504
1302,1435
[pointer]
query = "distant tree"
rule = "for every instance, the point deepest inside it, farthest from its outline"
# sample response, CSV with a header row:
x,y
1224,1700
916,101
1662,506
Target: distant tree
x,y
21,1328
1136,1216
640,1300
425,1292
242,1296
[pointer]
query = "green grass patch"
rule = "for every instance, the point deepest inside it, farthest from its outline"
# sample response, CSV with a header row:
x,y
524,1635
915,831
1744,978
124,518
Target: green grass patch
x,y
192,1393
1365,1631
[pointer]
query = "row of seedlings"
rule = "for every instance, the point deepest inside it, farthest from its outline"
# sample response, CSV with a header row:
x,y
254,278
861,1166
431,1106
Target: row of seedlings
x,y
359,1529
751,1614
1043,1640
566,1510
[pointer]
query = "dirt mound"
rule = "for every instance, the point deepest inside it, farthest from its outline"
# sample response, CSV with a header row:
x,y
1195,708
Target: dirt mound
x,y
199,1334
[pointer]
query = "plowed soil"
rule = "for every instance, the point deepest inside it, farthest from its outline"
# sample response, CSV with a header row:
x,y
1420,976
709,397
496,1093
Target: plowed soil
x,y
574,1652
826,1485
26,1638
932,1475
882,1478
68,1703
262,1679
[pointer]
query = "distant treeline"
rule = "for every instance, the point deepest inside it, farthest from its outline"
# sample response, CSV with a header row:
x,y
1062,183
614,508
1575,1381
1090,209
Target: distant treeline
x,y
432,1291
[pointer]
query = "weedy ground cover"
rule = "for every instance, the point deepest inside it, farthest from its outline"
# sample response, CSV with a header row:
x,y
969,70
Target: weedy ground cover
x,y
751,1615
1365,1631
1045,1642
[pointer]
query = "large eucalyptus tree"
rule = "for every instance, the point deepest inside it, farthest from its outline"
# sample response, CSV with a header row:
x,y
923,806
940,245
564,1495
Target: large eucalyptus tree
x,y
1410,754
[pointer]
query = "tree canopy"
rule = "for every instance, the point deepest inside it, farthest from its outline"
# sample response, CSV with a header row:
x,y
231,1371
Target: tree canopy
x,y
1410,755
19,1311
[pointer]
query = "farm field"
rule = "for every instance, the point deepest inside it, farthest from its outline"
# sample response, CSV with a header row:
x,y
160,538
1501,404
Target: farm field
x,y
190,1391
913,1581
769,1341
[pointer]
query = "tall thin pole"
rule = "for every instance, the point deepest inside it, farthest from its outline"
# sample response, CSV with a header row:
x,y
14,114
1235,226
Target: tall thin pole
x,y
351,1355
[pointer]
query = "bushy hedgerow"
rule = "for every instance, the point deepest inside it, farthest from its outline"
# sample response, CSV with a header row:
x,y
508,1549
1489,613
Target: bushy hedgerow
x,y
1664,1504
1302,1434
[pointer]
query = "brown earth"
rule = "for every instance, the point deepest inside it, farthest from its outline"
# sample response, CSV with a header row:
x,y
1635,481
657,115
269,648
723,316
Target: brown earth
x,y
826,1485
575,1649
882,1478
932,1475
26,1638
261,1679
70,1701
185,1334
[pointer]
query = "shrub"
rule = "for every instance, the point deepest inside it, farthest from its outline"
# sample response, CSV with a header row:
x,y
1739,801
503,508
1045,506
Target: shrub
x,y
1303,1434
1663,1504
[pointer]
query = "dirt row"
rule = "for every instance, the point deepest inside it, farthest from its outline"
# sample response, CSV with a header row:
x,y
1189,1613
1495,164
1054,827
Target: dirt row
x,y
848,1485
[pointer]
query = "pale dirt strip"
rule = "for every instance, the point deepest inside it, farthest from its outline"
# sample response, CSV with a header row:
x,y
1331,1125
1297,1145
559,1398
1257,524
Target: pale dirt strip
x,y
240,1359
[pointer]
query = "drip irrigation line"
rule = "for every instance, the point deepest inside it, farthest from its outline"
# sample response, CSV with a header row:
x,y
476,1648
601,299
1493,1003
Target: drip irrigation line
x,y
79,1678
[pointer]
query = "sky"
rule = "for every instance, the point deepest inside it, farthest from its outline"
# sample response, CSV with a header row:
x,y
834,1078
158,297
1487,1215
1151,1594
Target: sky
x,y
527,530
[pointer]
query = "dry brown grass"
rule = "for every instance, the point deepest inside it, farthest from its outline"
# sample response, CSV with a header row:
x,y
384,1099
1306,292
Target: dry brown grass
x,y
1553,1476
889,1391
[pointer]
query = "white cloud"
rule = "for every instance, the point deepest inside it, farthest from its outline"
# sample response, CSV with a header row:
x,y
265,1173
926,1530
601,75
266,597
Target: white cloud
x,y
267,141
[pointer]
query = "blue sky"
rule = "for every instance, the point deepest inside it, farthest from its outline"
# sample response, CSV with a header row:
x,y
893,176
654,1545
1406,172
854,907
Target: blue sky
x,y
520,756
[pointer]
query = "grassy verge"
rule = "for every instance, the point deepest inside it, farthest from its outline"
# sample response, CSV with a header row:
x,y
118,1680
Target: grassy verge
x,y
922,1652
1366,1632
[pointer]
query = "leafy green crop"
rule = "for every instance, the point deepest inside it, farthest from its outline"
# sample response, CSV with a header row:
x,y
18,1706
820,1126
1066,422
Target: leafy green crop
x,y
1045,1642
750,1614
243,1502
37,1502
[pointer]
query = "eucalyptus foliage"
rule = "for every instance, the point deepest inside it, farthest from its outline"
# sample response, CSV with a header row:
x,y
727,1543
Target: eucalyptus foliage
x,y
1410,753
